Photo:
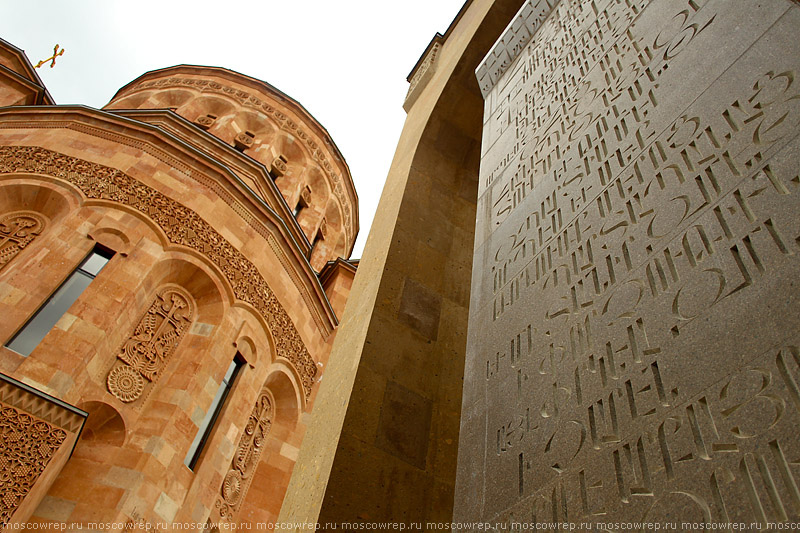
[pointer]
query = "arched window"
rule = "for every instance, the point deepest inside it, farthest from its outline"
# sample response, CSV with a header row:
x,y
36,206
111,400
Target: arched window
x,y
17,230
210,420
40,324
143,356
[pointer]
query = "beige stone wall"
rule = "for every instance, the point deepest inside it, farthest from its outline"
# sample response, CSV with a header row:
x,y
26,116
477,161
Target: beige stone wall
x,y
633,349
391,396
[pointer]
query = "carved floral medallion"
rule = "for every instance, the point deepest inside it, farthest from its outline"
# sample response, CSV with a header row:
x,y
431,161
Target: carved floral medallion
x,y
153,341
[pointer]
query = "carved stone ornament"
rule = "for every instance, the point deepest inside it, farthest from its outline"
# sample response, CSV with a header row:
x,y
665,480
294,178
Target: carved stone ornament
x,y
28,444
153,341
426,65
237,480
17,230
305,196
323,228
285,122
243,140
182,226
278,167
206,121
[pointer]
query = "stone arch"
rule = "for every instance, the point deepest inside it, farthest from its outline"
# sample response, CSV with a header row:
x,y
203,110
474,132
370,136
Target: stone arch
x,y
282,381
203,105
291,148
113,238
134,101
27,210
170,98
256,123
32,193
246,347
204,286
267,457
104,426
144,355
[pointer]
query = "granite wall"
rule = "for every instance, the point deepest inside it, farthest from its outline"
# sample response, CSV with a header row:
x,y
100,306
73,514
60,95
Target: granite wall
x,y
633,335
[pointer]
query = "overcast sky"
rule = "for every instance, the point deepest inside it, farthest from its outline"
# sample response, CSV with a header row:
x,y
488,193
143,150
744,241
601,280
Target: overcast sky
x,y
346,61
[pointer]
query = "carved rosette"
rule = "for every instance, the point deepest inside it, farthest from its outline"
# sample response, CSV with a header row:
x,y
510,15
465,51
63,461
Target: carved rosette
x,y
182,226
17,230
153,341
27,445
237,480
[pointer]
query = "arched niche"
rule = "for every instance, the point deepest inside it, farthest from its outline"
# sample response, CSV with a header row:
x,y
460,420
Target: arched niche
x,y
38,195
170,98
283,384
290,147
255,123
104,426
202,285
202,106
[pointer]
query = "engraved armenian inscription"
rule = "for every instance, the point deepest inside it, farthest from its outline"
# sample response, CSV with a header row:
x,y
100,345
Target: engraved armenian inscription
x,y
634,345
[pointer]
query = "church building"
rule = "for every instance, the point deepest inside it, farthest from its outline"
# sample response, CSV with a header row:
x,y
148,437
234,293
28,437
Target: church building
x,y
577,307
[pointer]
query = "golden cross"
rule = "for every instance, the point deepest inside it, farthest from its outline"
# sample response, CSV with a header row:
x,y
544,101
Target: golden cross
x,y
56,53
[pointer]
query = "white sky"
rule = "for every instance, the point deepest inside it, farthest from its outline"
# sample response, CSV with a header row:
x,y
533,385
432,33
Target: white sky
x,y
346,61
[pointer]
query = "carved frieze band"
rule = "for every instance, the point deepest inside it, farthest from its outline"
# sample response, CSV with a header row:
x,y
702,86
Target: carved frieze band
x,y
144,354
39,406
422,74
250,100
237,480
182,226
513,41
17,230
28,444
200,177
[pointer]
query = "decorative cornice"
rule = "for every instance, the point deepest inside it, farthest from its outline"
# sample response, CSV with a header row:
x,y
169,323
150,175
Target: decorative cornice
x,y
511,43
315,314
325,328
281,119
41,405
423,72
182,226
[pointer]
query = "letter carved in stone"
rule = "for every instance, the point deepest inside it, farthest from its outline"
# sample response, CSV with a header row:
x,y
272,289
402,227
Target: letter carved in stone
x,y
17,230
245,461
144,354
28,444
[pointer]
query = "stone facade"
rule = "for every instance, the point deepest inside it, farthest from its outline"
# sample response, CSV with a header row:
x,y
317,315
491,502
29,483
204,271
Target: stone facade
x,y
627,171
226,210
577,302
633,345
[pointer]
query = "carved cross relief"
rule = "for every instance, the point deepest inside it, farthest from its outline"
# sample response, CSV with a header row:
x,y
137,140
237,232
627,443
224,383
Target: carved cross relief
x,y
142,357
17,230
